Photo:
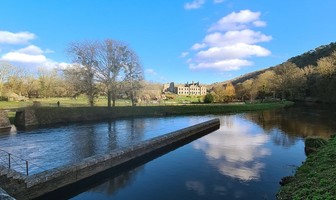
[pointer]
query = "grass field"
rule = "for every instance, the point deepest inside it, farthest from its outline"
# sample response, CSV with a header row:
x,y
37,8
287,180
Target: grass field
x,y
315,179
102,101
64,102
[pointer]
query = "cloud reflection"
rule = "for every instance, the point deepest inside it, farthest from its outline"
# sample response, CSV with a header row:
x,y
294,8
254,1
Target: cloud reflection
x,y
196,186
235,149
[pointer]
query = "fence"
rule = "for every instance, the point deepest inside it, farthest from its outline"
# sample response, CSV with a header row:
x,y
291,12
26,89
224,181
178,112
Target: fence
x,y
16,163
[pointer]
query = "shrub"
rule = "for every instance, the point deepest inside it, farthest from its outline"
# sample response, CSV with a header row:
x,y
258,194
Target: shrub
x,y
208,98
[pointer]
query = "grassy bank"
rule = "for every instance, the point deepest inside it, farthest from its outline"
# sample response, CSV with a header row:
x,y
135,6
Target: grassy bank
x,y
315,179
50,115
64,102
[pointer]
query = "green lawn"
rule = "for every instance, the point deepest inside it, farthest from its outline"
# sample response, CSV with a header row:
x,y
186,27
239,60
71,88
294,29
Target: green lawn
x,y
101,101
315,178
64,102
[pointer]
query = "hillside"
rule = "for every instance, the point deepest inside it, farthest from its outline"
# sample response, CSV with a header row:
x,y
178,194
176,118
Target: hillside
x,y
310,76
308,58
311,57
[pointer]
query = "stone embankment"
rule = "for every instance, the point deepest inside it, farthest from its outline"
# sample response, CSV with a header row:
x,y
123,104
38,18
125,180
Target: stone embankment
x,y
4,195
5,125
36,116
29,187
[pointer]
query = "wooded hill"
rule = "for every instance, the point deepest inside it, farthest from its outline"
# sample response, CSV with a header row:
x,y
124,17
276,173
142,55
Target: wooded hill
x,y
308,58
310,76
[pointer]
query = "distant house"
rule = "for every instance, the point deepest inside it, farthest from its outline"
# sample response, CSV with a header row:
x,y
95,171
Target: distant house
x,y
186,89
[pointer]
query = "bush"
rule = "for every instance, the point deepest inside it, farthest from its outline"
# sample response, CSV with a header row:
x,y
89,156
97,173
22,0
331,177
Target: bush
x,y
208,98
2,98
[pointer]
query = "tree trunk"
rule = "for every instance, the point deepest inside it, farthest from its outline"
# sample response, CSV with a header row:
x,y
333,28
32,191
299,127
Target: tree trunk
x,y
113,98
108,98
132,98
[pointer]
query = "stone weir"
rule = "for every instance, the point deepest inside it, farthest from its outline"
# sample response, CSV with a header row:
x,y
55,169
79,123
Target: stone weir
x,y
21,186
5,125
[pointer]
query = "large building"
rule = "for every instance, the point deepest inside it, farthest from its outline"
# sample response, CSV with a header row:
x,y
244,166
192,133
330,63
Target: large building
x,y
186,89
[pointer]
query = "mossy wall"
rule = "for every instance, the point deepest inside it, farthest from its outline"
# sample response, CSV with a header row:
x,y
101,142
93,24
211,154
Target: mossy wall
x,y
53,115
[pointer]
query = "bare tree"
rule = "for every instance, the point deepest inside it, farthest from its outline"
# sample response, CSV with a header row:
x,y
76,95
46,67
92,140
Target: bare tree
x,y
84,54
31,85
107,63
111,57
74,80
133,74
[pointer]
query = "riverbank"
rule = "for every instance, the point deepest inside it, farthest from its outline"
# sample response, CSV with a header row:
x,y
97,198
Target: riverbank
x,y
315,179
54,115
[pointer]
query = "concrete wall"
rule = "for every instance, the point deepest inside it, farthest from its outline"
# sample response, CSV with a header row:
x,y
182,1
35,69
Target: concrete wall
x,y
47,181
26,118
4,122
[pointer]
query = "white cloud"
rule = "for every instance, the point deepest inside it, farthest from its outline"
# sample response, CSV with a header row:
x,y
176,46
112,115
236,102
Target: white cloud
x,y
150,72
198,46
31,49
246,36
238,21
218,1
23,57
239,50
184,54
194,5
30,56
49,51
152,75
7,37
230,43
223,65
63,65
33,60
259,23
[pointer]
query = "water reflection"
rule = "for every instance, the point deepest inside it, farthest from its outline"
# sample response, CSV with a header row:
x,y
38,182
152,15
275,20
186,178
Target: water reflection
x,y
116,183
50,147
296,121
245,159
235,150
286,125
196,186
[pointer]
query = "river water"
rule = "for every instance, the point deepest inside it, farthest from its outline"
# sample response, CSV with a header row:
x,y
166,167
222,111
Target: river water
x,y
244,159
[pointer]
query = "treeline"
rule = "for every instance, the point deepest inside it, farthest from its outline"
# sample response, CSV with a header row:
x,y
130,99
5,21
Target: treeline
x,y
221,94
109,68
20,83
288,81
308,77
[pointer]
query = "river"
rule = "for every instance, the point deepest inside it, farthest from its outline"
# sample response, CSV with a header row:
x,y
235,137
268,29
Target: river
x,y
244,159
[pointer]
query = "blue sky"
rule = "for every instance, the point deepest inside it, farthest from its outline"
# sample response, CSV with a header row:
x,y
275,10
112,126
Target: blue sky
x,y
187,40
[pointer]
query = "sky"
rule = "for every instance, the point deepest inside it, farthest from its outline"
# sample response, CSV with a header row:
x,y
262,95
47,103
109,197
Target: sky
x,y
177,40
